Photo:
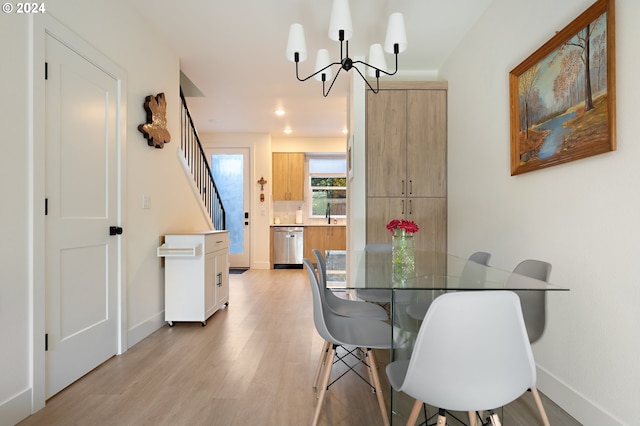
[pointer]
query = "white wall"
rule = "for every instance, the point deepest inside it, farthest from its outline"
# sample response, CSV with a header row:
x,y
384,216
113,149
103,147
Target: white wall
x,y
583,216
308,144
116,31
14,222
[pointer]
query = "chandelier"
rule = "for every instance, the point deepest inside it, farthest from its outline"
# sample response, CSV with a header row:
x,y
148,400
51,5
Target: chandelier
x,y
341,29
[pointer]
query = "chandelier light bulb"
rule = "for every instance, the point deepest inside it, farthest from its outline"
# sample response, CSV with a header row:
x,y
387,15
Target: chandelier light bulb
x,y
376,59
396,33
340,20
322,60
296,43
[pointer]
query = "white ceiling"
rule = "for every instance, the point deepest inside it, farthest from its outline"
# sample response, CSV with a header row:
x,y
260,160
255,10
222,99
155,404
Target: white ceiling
x,y
234,52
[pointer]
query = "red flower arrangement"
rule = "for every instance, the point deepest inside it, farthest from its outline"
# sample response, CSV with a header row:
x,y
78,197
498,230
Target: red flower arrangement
x,y
408,226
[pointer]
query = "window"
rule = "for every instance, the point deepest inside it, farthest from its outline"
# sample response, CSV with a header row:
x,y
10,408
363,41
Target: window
x,y
328,185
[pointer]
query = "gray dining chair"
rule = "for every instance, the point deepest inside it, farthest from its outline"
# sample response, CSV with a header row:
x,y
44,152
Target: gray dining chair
x,y
534,310
381,297
534,303
480,257
444,373
419,310
344,307
350,333
340,306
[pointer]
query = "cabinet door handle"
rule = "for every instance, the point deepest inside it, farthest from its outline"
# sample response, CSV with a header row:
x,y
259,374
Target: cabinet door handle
x,y
410,206
219,284
410,187
402,207
402,186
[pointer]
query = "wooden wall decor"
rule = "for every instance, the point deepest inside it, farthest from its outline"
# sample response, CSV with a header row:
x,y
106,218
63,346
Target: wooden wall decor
x,y
155,129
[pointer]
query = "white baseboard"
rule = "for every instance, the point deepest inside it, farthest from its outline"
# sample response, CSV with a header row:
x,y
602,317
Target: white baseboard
x,y
16,408
144,329
578,406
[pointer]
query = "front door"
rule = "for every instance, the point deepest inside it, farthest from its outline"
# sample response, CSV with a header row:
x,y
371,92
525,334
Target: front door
x,y
81,265
229,167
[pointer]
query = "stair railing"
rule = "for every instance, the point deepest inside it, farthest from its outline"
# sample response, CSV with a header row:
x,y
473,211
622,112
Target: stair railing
x,y
197,162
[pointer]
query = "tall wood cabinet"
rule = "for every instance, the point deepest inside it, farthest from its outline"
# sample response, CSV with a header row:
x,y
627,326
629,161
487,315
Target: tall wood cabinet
x,y
288,176
406,147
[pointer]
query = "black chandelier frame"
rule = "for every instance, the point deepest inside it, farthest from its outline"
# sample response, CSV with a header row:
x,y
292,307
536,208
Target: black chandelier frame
x,y
346,63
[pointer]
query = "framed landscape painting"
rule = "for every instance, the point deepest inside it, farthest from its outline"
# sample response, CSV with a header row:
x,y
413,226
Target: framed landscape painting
x,y
563,96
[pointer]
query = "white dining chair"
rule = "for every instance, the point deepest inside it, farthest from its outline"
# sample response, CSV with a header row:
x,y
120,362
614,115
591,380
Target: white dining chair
x,y
444,373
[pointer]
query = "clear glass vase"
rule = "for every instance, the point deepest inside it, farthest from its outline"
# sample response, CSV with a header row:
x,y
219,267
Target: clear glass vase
x,y
403,257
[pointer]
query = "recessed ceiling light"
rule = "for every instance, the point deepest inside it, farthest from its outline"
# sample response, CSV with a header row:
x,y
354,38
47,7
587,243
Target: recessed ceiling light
x,y
279,112
287,130
345,131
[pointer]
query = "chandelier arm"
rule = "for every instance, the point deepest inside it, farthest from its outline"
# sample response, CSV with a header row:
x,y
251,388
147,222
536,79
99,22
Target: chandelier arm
x,y
378,69
332,81
317,72
377,89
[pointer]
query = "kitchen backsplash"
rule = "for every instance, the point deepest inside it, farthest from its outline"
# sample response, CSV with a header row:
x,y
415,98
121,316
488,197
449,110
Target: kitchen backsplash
x,y
285,213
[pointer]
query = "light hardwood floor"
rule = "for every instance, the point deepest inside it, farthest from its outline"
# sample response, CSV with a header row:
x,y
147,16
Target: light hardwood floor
x,y
252,364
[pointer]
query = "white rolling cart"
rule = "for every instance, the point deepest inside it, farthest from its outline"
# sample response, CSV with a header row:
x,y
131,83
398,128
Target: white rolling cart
x,y
196,275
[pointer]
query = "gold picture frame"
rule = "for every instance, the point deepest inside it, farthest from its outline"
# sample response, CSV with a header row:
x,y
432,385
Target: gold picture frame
x,y
562,110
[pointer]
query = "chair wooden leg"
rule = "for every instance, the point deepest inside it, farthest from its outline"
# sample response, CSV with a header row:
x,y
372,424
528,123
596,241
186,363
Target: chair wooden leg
x,y
495,420
321,362
325,382
473,419
373,367
415,412
543,413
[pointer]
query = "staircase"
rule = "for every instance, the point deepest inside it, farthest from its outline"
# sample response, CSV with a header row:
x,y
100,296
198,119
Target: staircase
x,y
196,161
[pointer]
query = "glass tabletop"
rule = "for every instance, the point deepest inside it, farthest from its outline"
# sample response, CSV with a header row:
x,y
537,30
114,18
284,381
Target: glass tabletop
x,y
412,289
433,271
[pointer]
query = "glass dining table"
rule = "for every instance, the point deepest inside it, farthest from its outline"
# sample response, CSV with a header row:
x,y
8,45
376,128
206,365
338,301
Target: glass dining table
x,y
407,292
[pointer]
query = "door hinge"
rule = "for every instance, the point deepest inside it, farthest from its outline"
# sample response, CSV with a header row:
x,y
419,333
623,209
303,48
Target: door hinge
x,y
46,70
46,206
46,342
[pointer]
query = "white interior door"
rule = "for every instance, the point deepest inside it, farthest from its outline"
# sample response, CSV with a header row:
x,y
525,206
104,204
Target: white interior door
x,y
230,169
81,264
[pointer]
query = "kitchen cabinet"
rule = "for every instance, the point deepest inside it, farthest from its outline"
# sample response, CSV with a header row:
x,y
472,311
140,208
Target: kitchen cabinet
x,y
406,145
330,237
288,176
196,275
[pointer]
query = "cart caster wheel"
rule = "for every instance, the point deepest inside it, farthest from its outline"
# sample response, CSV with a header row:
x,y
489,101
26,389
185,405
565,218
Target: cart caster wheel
x,y
170,323
203,323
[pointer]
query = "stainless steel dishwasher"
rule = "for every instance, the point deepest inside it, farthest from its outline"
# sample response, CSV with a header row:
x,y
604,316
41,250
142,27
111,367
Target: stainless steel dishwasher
x,y
288,246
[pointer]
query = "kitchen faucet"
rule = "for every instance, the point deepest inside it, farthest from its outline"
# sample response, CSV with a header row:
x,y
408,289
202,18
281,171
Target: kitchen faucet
x,y
328,213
